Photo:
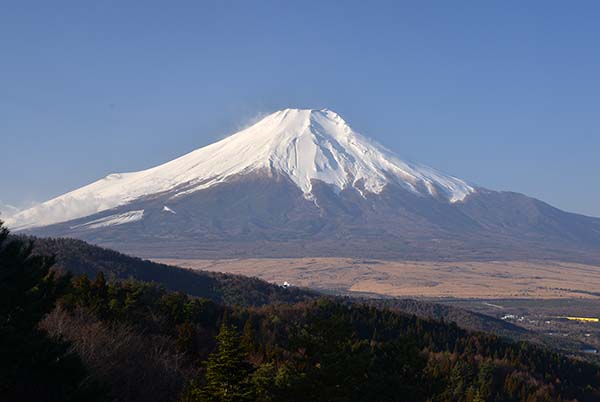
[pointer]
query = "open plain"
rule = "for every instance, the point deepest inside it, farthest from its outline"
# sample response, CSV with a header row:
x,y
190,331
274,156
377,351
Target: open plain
x,y
467,279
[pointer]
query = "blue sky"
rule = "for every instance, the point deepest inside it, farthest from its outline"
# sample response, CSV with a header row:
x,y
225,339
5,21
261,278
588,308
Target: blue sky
x,y
505,94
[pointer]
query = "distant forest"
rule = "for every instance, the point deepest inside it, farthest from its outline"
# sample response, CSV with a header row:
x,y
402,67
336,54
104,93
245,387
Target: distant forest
x,y
103,336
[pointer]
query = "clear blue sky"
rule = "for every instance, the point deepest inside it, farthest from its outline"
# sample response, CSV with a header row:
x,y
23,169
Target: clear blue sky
x,y
505,94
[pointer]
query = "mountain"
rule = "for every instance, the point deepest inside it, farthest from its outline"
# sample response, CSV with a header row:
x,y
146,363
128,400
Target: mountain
x,y
303,183
300,145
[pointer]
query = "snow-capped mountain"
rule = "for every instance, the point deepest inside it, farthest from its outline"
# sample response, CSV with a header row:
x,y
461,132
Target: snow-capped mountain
x,y
302,182
301,144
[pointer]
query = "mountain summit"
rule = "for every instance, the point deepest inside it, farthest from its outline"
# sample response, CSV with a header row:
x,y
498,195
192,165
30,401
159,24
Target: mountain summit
x,y
301,144
301,182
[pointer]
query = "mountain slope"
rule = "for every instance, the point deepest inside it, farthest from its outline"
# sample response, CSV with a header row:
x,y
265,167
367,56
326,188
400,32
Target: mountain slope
x,y
303,183
303,145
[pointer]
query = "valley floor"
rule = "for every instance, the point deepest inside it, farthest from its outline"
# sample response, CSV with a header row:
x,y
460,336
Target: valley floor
x,y
468,279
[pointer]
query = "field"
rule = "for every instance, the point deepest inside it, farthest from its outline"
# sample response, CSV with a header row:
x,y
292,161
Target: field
x,y
468,279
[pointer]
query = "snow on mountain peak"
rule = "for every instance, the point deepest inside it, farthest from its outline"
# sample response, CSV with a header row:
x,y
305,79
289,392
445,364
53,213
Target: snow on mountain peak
x,y
302,144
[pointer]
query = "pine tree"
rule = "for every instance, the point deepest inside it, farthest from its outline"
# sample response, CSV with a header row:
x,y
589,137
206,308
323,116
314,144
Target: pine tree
x,y
99,289
248,336
227,371
263,382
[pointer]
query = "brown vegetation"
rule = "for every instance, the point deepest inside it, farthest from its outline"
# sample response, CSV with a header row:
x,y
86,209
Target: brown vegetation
x,y
468,279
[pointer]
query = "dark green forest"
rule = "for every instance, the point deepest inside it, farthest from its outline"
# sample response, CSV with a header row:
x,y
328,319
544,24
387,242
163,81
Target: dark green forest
x,y
110,338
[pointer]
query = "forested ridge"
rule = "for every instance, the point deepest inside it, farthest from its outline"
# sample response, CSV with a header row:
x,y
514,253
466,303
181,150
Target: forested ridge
x,y
79,257
95,338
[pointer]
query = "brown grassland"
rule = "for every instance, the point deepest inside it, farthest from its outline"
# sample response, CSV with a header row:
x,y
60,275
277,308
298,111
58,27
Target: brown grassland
x,y
468,279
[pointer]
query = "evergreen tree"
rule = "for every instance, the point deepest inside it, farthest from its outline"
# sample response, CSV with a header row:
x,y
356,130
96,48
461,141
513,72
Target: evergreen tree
x,y
227,371
248,336
263,383
99,302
